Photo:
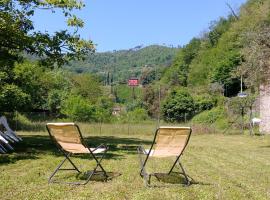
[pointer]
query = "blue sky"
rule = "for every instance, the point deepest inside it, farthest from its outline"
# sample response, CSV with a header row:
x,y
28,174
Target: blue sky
x,y
123,24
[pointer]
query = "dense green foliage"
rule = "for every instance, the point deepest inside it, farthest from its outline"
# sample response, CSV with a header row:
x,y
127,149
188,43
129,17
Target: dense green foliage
x,y
78,108
177,74
179,106
17,33
213,64
210,116
25,86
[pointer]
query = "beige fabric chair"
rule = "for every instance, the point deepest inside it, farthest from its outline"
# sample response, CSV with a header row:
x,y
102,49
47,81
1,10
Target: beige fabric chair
x,y
168,142
69,140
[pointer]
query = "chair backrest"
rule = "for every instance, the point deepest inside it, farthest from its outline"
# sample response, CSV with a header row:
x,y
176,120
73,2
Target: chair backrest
x,y
170,141
67,135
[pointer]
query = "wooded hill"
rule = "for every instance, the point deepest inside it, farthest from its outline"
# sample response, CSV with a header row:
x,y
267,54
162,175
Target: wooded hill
x,y
224,53
126,63
210,67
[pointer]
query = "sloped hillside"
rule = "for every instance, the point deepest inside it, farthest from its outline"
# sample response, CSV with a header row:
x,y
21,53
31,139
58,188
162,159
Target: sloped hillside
x,y
125,63
220,57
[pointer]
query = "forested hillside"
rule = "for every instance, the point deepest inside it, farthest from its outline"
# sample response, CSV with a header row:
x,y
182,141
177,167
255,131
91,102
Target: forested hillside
x,y
210,67
217,57
126,63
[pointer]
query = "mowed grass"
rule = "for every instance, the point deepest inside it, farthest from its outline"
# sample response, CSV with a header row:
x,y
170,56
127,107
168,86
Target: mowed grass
x,y
222,166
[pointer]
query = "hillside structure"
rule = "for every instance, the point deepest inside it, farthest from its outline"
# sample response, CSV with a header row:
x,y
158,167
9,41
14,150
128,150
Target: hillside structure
x,y
265,108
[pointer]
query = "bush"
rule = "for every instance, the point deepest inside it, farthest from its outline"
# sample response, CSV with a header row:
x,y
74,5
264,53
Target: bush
x,y
55,97
178,106
210,116
204,102
102,115
104,109
13,98
78,109
136,104
138,115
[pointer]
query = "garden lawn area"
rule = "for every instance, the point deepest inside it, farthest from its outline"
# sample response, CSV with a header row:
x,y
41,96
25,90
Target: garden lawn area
x,y
222,166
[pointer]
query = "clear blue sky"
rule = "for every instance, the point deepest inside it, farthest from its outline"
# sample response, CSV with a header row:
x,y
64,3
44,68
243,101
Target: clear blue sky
x,y
123,24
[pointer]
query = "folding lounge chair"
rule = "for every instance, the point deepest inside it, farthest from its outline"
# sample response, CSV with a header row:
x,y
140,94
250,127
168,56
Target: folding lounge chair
x,y
4,142
168,142
9,132
69,140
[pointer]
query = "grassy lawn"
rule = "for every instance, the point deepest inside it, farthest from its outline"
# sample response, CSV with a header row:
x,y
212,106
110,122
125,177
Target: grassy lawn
x,y
223,167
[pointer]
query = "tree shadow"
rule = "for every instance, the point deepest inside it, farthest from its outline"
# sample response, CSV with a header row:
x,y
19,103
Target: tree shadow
x,y
12,158
33,146
265,146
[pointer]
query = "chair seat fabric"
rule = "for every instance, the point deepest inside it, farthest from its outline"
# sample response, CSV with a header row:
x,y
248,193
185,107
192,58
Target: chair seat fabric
x,y
159,153
79,148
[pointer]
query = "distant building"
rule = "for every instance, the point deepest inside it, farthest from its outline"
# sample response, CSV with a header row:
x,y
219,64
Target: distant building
x,y
116,111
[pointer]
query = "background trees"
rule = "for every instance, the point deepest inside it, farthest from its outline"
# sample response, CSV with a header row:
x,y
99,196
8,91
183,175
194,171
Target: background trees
x,y
18,34
36,72
22,83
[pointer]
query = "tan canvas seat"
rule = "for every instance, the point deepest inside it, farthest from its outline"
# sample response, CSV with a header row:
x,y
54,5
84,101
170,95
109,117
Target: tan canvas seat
x,y
78,148
168,142
69,140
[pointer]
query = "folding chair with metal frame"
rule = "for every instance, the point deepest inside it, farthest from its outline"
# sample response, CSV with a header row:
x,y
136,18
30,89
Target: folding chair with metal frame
x,y
168,142
68,139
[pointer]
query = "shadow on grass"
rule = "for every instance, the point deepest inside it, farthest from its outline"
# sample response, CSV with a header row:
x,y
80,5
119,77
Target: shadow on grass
x,y
127,145
100,177
12,158
34,145
266,146
174,179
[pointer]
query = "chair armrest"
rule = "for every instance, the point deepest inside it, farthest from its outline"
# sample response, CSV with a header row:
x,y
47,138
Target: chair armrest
x,y
142,150
100,146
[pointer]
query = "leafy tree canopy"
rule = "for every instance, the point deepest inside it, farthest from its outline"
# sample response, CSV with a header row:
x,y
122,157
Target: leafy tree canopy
x,y
178,105
18,34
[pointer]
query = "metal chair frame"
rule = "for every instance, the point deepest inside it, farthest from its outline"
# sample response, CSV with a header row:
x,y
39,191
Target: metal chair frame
x,y
69,154
147,176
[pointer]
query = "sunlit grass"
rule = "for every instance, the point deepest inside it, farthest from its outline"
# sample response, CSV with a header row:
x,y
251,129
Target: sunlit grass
x,y
223,167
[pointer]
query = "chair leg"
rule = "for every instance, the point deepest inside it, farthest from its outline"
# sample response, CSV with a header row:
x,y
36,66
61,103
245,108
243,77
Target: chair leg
x,y
67,157
184,173
59,167
143,172
182,168
95,169
175,162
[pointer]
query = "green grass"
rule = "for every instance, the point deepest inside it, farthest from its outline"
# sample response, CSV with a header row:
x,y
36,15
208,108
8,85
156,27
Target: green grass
x,y
223,167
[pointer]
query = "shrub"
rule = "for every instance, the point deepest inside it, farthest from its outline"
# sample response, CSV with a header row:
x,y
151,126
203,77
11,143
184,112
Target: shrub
x,y
204,102
178,105
55,97
136,104
78,109
138,115
210,116
13,98
102,115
